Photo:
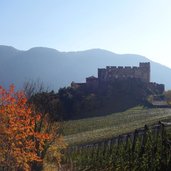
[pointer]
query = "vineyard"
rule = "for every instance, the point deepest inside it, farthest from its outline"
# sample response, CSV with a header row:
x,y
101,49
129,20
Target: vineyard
x,y
99,128
147,148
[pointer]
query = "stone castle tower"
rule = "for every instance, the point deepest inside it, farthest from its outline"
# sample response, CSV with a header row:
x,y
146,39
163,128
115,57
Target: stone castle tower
x,y
111,73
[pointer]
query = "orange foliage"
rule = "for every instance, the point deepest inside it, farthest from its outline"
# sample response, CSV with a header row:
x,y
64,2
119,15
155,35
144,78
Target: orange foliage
x,y
22,141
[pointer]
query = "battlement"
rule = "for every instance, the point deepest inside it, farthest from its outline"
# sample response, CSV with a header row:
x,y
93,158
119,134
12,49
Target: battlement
x,y
112,72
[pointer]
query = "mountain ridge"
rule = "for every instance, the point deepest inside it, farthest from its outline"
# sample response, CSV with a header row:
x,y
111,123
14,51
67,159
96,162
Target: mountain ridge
x,y
58,69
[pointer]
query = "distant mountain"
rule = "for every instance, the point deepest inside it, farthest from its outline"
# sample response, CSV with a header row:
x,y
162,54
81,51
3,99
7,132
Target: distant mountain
x,y
58,69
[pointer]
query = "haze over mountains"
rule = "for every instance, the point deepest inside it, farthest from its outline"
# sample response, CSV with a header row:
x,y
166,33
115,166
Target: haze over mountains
x,y
58,69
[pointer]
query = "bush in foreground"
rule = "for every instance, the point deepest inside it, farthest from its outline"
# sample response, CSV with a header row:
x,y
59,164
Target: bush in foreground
x,y
25,136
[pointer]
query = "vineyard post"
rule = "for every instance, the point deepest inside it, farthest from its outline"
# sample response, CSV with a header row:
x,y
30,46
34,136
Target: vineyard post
x,y
134,140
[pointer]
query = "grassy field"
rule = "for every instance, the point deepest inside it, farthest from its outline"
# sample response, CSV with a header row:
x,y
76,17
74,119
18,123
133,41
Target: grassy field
x,y
98,128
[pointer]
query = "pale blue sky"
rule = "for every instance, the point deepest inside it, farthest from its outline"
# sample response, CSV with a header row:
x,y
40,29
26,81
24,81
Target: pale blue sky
x,y
121,26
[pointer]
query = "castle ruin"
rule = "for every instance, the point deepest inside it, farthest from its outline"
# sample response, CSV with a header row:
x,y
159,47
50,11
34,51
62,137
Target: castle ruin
x,y
120,73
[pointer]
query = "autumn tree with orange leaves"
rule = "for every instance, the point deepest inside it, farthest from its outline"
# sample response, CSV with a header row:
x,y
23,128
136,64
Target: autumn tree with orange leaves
x,y
25,135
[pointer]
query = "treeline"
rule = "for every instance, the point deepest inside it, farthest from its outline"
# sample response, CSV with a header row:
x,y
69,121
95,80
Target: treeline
x,y
87,101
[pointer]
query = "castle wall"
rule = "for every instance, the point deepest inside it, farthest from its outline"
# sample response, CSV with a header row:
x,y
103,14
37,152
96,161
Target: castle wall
x,y
111,73
158,87
92,82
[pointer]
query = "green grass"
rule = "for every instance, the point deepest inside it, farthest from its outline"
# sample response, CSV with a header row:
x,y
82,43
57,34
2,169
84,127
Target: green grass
x,y
98,128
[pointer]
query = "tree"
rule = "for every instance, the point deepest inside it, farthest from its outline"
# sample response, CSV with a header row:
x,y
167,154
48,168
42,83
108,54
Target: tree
x,y
31,88
47,102
168,96
25,135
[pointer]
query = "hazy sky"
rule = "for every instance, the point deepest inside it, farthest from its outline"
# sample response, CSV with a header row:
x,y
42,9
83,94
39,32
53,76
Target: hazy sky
x,y
121,26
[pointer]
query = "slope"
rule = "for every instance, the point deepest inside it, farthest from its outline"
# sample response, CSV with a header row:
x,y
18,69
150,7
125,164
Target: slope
x,y
58,69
